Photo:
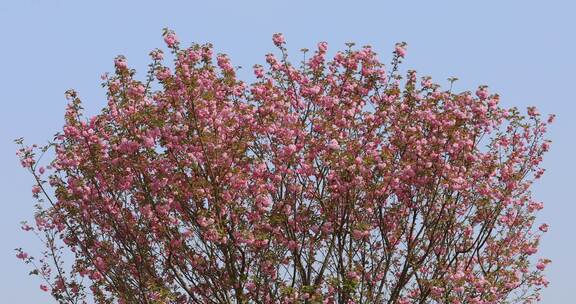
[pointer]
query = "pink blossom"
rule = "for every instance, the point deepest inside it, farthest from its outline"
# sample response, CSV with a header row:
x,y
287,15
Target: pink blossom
x,y
100,264
250,286
22,255
482,93
532,111
120,63
163,74
157,54
170,39
36,189
333,145
258,71
27,227
278,39
357,234
322,46
401,49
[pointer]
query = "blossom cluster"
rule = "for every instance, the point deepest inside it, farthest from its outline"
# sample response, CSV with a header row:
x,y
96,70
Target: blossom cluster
x,y
336,181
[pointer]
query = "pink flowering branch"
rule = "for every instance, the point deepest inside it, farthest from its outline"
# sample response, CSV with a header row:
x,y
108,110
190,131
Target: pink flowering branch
x,y
338,181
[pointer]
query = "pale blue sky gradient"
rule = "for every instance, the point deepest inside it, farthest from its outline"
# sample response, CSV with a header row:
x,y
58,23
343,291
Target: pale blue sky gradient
x,y
524,50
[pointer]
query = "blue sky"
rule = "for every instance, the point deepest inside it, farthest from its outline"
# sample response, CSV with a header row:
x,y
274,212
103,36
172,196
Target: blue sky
x,y
524,50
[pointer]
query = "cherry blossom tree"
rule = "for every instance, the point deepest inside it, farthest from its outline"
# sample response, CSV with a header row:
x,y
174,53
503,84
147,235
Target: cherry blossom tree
x,y
331,181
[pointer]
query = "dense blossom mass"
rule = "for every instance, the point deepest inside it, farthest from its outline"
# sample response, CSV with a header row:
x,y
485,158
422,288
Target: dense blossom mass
x,y
332,181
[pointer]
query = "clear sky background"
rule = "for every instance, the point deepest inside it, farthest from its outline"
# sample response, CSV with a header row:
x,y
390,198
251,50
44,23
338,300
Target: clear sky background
x,y
524,50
